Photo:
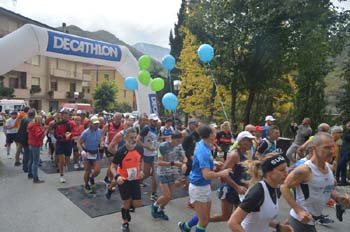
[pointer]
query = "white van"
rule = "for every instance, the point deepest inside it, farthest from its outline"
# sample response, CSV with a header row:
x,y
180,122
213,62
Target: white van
x,y
11,105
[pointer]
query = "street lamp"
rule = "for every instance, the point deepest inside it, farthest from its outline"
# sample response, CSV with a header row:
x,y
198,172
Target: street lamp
x,y
76,95
177,85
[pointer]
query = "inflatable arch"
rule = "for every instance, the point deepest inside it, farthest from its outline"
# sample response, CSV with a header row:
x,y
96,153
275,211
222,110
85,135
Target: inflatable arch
x,y
30,40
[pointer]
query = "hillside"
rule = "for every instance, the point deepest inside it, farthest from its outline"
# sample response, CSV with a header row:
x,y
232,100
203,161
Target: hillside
x,y
152,50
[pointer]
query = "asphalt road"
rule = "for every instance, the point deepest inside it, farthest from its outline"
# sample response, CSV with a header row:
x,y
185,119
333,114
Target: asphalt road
x,y
25,207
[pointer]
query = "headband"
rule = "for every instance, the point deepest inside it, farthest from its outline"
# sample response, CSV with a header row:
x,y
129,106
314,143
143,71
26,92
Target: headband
x,y
272,162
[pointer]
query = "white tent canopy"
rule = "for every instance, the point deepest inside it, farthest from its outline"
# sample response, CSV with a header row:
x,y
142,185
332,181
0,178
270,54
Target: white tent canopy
x,y
31,40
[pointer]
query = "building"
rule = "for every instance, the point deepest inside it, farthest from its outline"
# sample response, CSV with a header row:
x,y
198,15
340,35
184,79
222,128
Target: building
x,y
99,74
44,82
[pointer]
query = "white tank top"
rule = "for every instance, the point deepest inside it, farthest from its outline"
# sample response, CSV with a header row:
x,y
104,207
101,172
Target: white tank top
x,y
259,221
319,189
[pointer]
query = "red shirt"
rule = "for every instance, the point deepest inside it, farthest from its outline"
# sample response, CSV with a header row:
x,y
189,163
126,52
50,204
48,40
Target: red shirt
x,y
62,127
35,134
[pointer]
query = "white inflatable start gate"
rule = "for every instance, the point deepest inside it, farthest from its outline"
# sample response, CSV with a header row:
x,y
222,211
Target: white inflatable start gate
x,y
31,40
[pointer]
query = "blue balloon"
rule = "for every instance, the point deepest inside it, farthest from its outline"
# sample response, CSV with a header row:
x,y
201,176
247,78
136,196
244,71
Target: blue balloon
x,y
131,83
205,53
168,62
170,101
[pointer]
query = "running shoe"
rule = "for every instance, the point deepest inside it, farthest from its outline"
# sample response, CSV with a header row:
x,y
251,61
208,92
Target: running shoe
x,y
17,163
76,166
132,209
340,210
125,227
87,189
162,215
182,226
62,179
154,211
324,220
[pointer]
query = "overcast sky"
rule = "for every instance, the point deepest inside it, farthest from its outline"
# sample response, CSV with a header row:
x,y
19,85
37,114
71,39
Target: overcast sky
x,y
132,21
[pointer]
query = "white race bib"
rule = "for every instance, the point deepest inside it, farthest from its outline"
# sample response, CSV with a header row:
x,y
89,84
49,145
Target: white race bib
x,y
132,173
91,156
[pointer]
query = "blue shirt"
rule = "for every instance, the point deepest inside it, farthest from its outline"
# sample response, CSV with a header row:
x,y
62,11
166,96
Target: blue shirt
x,y
91,139
202,159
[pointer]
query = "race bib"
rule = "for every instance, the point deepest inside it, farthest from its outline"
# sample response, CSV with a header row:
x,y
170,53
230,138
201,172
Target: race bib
x,y
132,173
91,156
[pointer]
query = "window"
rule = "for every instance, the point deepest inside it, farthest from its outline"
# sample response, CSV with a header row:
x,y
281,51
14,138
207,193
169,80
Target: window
x,y
23,80
106,77
72,87
54,85
2,81
88,90
14,83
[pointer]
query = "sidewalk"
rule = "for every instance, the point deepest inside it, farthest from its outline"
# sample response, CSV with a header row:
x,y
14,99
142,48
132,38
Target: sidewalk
x,y
25,207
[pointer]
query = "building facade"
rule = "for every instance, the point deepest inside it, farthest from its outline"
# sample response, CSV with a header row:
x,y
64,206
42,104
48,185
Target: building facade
x,y
45,83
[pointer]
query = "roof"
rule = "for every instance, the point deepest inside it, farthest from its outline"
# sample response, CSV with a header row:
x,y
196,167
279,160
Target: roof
x,y
24,19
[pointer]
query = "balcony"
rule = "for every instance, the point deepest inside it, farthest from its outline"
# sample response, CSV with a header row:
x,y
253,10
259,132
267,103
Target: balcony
x,y
66,74
86,77
35,89
22,93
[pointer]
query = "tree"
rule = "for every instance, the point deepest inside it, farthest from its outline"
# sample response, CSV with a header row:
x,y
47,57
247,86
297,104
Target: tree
x,y
195,91
104,96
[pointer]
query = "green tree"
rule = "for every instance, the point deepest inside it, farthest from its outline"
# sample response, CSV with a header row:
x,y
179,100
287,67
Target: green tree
x,y
344,97
104,96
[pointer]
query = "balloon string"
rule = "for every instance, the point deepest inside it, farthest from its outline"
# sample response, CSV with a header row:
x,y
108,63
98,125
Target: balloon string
x,y
216,86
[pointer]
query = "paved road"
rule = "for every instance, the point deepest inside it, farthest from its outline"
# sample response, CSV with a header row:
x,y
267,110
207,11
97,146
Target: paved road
x,y
25,207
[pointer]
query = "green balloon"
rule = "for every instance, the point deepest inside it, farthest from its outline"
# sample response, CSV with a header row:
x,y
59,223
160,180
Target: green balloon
x,y
144,77
157,84
144,62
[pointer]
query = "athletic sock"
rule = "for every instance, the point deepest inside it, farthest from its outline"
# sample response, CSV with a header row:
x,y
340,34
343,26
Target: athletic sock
x,y
200,228
192,222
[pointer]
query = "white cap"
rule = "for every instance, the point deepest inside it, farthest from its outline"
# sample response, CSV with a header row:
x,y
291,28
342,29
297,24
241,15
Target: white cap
x,y
153,117
78,111
269,118
244,134
94,120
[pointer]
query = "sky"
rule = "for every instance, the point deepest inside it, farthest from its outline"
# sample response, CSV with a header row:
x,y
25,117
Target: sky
x,y
132,21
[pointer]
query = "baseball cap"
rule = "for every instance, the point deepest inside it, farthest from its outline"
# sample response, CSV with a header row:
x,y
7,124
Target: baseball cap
x,y
153,117
244,134
192,121
269,118
78,111
94,120
258,128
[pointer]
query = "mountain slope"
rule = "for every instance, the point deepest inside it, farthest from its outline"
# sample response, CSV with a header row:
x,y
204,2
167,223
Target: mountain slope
x,y
152,50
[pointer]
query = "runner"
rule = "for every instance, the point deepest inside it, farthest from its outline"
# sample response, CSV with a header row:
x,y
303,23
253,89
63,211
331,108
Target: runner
x,y
11,133
171,157
147,139
127,169
259,208
78,163
200,179
314,183
88,148
166,130
229,192
109,131
64,132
